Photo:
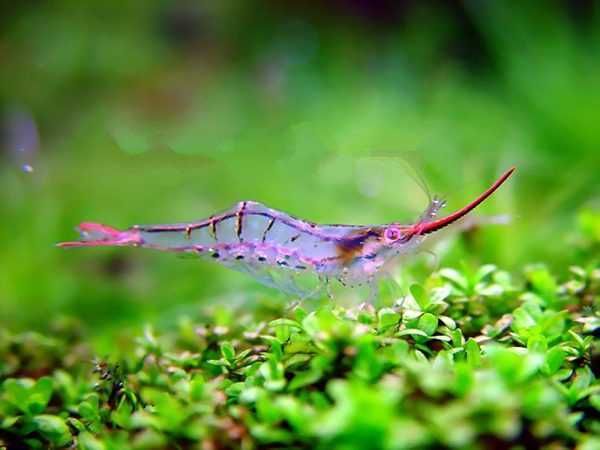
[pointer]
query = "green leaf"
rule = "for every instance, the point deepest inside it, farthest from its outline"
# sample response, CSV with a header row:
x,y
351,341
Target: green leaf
x,y
272,371
34,444
473,353
457,338
440,294
53,428
89,408
387,318
288,322
543,283
484,272
411,331
167,408
508,364
9,422
589,223
490,290
40,395
235,389
583,378
305,378
448,321
463,378
17,392
428,323
420,296
77,424
267,410
590,442
29,396
578,339
455,278
197,385
537,344
595,401
87,441
227,351
554,360
276,350
282,333
300,314
122,415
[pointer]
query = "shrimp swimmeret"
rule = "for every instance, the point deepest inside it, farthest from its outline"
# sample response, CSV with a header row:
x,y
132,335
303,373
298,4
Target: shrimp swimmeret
x,y
275,247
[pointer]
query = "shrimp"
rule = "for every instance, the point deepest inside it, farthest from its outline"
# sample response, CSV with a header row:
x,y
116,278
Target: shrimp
x,y
275,247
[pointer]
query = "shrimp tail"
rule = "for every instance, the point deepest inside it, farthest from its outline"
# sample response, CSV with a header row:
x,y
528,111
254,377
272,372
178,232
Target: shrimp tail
x,y
98,235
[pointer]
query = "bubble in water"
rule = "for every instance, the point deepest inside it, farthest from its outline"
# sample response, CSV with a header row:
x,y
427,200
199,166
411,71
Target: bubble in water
x,y
27,168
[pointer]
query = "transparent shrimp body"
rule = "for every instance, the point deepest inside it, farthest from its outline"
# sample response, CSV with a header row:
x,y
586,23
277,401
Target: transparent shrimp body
x,y
277,249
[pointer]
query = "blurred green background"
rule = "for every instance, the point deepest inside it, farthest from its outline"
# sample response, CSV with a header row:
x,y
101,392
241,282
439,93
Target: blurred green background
x,y
151,112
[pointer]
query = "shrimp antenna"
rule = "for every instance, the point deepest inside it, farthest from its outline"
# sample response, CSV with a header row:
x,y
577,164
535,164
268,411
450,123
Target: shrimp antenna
x,y
429,227
408,168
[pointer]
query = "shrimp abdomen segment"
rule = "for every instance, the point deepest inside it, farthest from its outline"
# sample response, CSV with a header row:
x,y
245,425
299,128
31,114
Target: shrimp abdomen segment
x,y
249,230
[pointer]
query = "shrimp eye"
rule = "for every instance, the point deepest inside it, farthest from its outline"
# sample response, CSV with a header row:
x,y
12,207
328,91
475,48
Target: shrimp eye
x,y
392,234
